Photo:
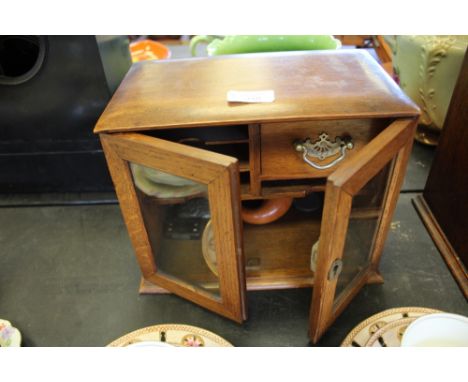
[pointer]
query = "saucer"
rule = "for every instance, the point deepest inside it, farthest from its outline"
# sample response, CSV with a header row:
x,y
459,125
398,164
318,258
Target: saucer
x,y
363,332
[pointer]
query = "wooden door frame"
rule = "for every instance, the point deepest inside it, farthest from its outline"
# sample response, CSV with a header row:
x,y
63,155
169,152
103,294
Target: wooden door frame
x,y
220,173
394,142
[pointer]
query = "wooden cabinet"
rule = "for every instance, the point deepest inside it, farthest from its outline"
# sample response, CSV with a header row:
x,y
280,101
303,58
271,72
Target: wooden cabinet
x,y
443,206
222,198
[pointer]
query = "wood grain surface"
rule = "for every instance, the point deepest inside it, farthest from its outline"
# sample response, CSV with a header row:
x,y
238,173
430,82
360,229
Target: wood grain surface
x,y
315,85
220,173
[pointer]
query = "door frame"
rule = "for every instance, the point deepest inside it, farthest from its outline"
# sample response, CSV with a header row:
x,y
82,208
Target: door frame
x,y
393,143
221,175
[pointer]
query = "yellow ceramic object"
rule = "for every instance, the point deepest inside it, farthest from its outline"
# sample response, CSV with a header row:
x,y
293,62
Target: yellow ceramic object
x,y
427,68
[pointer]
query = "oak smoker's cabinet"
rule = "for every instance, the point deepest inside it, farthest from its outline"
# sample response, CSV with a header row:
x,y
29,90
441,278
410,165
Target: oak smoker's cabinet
x,y
221,198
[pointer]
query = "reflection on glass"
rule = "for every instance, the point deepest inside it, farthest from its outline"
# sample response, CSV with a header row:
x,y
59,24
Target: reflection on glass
x,y
177,216
363,223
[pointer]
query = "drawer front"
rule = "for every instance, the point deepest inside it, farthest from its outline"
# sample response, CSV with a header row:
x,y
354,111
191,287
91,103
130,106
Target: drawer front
x,y
280,160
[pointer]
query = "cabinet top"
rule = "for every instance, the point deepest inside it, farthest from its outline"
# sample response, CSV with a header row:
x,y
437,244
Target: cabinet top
x,y
313,85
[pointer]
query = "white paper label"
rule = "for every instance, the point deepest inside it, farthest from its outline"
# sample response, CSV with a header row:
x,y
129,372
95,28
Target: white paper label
x,y
250,96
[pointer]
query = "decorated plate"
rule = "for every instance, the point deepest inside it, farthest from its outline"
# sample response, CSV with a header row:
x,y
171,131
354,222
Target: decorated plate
x,y
363,332
208,249
9,336
172,334
165,186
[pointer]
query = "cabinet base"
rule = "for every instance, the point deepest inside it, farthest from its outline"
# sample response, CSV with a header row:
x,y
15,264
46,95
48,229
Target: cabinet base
x,y
147,287
375,278
451,258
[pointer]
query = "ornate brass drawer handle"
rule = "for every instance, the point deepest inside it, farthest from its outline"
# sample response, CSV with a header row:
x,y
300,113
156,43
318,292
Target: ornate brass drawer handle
x,y
323,148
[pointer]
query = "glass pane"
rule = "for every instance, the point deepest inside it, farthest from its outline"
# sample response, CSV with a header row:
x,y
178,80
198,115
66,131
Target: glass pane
x,y
363,223
176,212
279,235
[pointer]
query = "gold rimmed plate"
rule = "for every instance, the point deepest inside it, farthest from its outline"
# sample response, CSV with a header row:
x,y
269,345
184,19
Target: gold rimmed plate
x,y
172,335
364,331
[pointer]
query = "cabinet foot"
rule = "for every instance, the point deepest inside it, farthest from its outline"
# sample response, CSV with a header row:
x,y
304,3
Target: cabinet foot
x,y
375,278
147,287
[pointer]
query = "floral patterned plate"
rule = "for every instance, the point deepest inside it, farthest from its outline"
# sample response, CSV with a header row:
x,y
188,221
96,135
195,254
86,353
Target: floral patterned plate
x,y
9,336
172,334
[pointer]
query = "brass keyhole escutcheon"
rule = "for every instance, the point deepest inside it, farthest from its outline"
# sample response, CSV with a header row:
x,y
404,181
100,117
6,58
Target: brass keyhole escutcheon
x,y
335,269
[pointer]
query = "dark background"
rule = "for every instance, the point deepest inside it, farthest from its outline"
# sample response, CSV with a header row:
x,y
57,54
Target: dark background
x,y
47,120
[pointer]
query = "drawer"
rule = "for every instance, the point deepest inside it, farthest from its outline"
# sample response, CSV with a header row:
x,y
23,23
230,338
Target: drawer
x,y
280,160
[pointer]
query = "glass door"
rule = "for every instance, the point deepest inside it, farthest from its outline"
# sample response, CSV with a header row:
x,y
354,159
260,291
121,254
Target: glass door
x,y
181,206
359,201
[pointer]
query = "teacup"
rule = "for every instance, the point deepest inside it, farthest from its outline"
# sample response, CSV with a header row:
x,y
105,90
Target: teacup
x,y
437,330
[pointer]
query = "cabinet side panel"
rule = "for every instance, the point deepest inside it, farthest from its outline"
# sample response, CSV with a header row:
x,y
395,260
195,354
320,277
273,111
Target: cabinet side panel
x,y
446,191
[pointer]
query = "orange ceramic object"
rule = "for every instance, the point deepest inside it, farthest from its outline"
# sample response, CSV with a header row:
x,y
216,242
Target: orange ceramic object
x,y
269,211
148,50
